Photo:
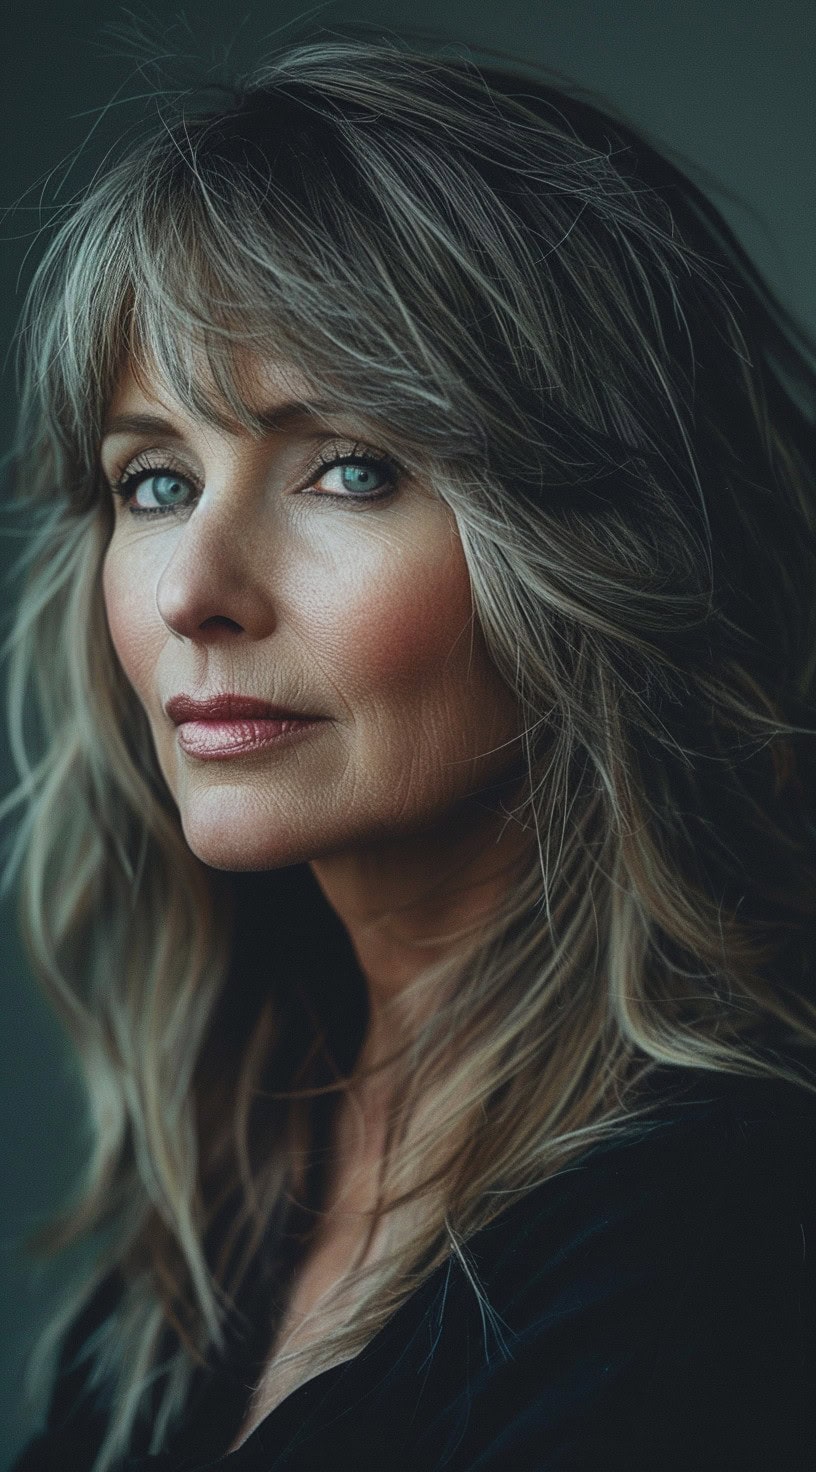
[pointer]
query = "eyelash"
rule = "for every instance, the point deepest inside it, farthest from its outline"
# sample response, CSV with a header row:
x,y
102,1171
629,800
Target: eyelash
x,y
126,483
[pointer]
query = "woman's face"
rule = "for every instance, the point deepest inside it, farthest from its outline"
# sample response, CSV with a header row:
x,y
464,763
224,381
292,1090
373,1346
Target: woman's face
x,y
353,607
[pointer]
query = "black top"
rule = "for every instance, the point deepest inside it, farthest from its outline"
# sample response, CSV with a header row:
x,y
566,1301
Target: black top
x,y
653,1310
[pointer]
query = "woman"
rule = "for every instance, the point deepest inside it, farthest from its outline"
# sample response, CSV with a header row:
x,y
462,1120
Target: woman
x,y
419,847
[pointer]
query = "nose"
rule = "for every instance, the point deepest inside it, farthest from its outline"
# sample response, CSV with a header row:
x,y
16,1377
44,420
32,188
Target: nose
x,y
217,580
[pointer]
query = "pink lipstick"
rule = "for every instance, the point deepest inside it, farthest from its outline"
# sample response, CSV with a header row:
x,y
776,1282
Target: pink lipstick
x,y
222,726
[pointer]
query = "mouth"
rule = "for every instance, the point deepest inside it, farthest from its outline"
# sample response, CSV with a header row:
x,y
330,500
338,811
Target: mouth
x,y
224,726
229,707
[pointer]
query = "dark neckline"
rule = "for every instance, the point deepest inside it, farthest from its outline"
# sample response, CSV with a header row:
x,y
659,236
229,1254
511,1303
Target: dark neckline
x,y
678,1095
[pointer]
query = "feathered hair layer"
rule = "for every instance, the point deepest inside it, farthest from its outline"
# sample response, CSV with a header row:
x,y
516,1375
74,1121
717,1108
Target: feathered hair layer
x,y
550,319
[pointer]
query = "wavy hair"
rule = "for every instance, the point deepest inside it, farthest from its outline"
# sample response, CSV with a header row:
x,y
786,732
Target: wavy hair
x,y
550,320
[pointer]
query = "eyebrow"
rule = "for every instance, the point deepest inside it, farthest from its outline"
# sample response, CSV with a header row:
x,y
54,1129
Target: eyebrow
x,y
274,417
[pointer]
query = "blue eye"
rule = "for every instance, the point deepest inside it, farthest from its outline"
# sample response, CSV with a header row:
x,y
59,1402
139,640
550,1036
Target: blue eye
x,y
364,478
357,473
169,489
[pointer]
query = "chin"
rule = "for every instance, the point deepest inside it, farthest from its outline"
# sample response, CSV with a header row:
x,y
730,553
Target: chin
x,y
241,832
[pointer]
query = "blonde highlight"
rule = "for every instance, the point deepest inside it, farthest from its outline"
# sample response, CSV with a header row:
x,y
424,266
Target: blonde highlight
x,y
552,321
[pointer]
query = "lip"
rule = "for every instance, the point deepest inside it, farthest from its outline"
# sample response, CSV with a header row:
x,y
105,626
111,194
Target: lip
x,y
220,740
230,707
229,725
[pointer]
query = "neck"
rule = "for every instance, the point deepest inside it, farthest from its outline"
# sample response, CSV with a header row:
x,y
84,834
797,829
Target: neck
x,y
406,902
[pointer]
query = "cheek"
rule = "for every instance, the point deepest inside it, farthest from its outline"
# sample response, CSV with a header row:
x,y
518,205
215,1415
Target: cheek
x,y
131,619
401,620
434,720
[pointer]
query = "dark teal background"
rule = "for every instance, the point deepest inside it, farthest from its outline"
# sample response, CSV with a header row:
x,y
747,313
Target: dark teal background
x,y
727,82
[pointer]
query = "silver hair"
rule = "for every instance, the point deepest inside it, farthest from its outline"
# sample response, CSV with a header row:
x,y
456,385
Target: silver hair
x,y
552,322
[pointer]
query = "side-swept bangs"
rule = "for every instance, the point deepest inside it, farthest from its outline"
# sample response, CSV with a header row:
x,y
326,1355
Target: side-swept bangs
x,y
433,295
228,239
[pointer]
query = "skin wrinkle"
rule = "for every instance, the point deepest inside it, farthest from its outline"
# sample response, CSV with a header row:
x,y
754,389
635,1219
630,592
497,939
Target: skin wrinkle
x,y
671,880
357,615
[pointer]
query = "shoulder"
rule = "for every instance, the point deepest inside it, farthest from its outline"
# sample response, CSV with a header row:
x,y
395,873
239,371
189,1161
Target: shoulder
x,y
707,1140
654,1303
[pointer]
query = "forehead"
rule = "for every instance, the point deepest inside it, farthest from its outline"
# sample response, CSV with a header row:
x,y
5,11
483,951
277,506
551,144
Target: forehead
x,y
261,382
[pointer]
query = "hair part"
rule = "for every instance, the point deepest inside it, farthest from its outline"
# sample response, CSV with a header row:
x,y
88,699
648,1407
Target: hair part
x,y
550,320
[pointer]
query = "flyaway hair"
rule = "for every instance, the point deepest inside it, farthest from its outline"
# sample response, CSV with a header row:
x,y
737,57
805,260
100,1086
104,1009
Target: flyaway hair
x,y
551,321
